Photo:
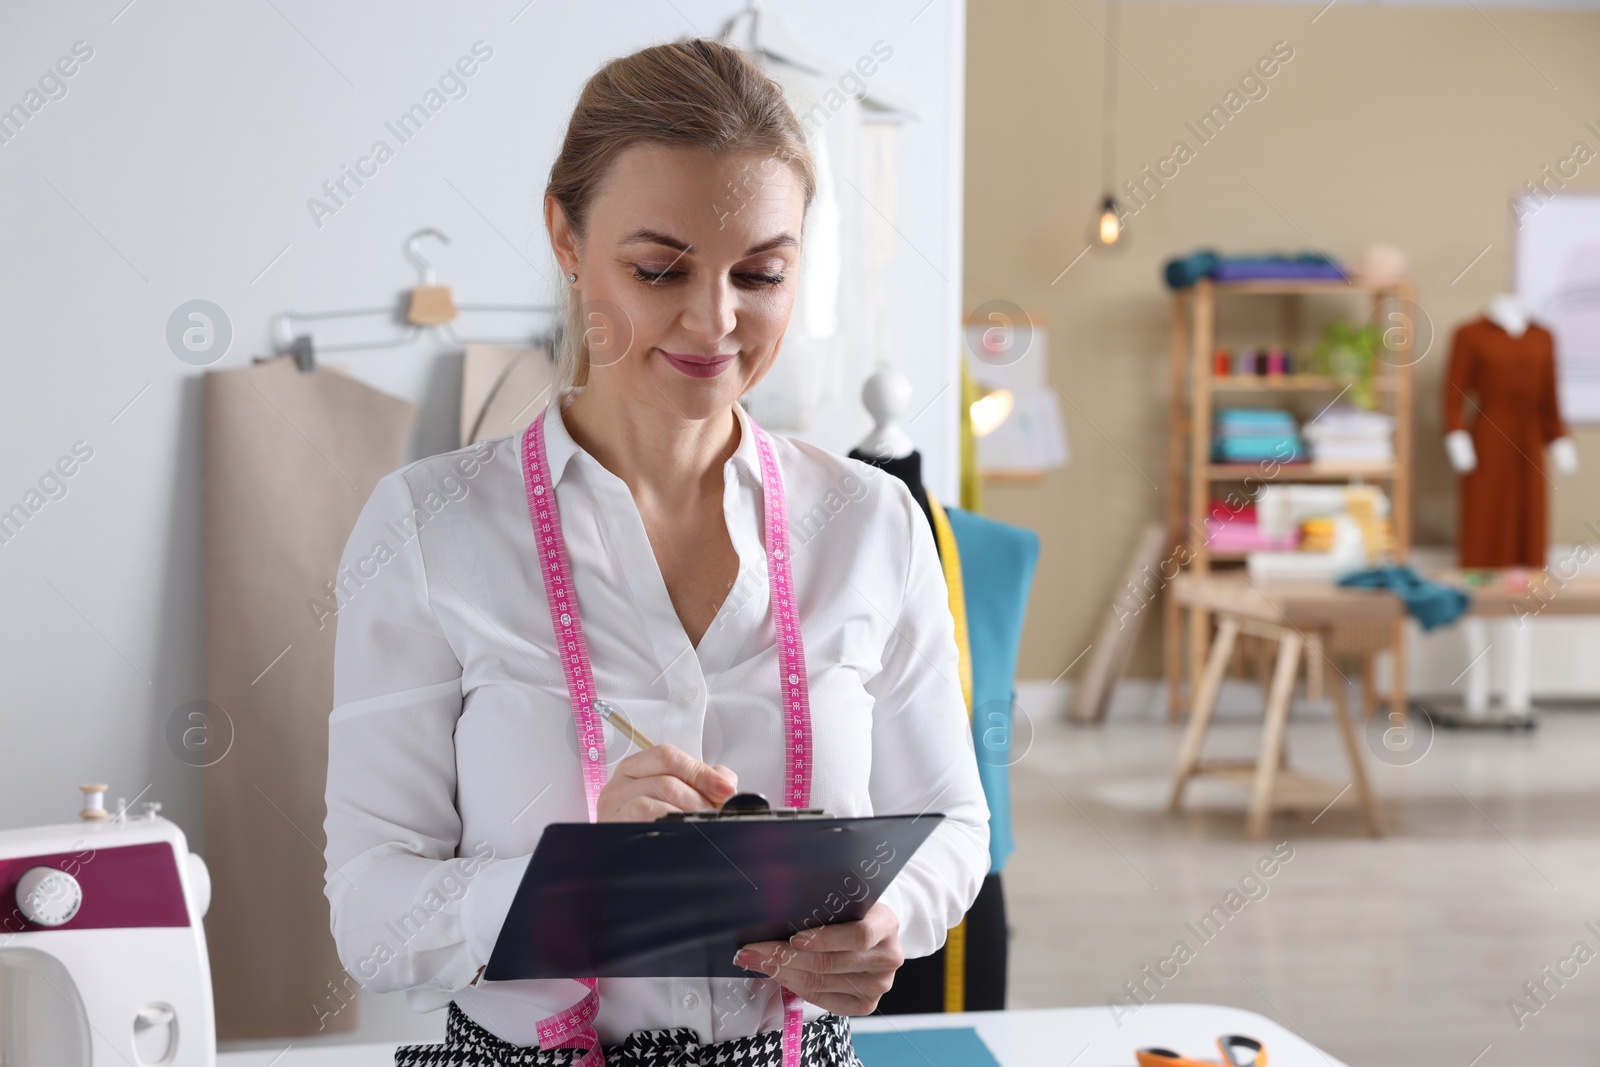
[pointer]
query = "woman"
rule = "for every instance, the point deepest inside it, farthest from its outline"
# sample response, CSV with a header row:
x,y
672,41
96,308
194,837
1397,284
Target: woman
x,y
675,210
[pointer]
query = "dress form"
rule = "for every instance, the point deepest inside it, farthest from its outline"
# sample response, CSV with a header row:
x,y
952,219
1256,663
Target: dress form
x,y
886,396
1508,313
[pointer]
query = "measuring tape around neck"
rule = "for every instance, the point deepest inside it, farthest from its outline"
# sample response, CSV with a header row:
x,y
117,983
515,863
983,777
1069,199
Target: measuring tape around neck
x,y
574,1026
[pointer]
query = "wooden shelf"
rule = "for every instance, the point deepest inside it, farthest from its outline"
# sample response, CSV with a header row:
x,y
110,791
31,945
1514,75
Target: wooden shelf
x,y
1299,472
1287,382
1194,393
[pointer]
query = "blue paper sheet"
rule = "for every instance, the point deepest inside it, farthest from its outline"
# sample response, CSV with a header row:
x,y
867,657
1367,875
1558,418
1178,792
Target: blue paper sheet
x,y
958,1046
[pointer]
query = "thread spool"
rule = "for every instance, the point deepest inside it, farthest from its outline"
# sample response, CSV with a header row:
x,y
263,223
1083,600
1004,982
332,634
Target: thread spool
x,y
94,801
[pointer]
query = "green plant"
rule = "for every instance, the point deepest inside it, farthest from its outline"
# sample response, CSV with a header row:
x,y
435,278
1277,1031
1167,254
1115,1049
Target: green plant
x,y
1349,354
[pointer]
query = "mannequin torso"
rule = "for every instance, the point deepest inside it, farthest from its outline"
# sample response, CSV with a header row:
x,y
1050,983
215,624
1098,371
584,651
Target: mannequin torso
x,y
1502,411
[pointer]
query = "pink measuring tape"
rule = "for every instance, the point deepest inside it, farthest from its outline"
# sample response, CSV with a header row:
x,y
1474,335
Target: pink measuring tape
x,y
574,1026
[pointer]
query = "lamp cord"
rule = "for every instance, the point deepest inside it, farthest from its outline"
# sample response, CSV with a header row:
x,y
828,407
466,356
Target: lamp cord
x,y
1108,146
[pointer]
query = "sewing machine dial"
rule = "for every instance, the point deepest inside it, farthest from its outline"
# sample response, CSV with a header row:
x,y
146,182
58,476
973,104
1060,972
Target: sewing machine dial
x,y
48,896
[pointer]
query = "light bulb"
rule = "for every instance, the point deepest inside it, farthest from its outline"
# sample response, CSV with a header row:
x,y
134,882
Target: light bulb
x,y
990,410
1110,226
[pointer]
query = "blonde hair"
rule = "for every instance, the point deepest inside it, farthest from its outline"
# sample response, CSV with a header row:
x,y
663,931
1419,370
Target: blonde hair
x,y
695,93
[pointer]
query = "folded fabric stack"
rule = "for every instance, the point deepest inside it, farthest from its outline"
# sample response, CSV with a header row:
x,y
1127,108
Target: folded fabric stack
x,y
1184,271
1309,266
1346,434
1252,435
1234,529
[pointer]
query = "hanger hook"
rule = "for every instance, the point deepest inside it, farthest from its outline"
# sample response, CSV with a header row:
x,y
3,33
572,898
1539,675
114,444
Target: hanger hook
x,y
415,257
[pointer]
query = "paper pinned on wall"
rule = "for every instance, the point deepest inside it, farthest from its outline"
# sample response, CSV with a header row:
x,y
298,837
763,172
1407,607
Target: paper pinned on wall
x,y
1007,348
1558,280
1032,440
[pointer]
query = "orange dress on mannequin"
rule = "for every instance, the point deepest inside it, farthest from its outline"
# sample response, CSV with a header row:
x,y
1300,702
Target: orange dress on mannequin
x,y
1511,384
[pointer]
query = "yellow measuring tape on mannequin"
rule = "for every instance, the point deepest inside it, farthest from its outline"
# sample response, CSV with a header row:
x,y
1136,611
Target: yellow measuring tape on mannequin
x,y
955,945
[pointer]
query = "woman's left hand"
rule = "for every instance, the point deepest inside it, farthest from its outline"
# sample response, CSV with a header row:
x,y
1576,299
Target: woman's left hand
x,y
844,968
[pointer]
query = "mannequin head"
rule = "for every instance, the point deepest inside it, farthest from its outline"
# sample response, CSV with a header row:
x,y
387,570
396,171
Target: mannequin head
x,y
1507,312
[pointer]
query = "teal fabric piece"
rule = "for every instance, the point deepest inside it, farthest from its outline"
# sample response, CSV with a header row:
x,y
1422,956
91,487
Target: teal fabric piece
x,y
1432,604
958,1046
1285,449
997,565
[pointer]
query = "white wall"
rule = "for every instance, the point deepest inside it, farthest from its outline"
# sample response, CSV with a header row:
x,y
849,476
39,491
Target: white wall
x,y
178,165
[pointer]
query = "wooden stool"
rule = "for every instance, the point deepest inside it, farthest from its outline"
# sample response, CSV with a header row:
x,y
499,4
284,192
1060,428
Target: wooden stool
x,y
1302,618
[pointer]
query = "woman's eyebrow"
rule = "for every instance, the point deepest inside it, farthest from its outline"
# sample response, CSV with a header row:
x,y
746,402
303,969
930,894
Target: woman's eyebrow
x,y
783,240
645,235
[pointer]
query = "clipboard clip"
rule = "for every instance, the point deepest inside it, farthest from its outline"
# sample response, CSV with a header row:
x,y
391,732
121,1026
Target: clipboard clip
x,y
744,806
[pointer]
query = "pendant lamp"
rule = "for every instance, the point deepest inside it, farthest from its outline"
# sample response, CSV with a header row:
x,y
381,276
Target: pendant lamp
x,y
1106,229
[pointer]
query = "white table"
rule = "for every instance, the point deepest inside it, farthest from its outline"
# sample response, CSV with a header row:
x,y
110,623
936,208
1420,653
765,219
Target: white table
x,y
1044,1037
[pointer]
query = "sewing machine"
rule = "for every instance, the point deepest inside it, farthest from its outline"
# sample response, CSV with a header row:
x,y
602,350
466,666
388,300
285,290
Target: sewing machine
x,y
102,954
1351,530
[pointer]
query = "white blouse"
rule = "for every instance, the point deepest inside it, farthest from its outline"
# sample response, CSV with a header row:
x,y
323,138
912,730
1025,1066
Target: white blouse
x,y
451,742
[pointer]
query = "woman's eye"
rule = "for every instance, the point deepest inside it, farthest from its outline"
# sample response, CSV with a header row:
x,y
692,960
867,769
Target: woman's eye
x,y
644,274
748,279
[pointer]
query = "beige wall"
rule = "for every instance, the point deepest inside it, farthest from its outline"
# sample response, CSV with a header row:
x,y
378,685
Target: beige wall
x,y
1401,124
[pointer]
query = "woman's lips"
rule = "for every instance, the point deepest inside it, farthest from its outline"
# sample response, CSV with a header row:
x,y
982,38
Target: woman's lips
x,y
698,366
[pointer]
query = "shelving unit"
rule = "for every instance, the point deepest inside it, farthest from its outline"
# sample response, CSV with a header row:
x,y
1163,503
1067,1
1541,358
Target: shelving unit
x,y
1192,476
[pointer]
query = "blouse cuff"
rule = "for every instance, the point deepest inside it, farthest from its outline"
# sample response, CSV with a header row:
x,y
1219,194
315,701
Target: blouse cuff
x,y
486,904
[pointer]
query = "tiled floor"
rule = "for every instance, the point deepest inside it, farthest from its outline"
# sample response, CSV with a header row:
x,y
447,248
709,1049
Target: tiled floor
x,y
1401,950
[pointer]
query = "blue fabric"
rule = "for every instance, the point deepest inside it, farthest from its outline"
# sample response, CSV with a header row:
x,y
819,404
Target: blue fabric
x,y
1285,449
1244,435
1255,420
1184,271
1258,268
1430,603
997,565
957,1046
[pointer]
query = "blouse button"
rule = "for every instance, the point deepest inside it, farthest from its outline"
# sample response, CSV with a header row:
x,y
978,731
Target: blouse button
x,y
690,1001
691,693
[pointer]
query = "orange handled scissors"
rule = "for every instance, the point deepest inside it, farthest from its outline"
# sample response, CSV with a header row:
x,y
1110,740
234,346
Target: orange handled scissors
x,y
1236,1051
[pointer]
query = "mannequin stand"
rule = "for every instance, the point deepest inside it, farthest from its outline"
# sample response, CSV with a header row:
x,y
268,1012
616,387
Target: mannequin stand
x,y
1511,609
1515,708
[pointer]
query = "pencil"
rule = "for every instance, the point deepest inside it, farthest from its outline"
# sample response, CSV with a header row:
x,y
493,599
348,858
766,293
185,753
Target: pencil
x,y
610,714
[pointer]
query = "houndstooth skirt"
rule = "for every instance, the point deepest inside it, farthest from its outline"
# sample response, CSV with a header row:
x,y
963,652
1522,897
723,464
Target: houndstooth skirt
x,y
826,1043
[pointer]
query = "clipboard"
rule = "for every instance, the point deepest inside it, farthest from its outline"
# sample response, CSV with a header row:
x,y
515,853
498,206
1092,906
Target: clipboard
x,y
678,897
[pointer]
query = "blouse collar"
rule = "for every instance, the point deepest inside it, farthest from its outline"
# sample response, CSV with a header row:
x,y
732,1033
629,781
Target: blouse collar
x,y
560,447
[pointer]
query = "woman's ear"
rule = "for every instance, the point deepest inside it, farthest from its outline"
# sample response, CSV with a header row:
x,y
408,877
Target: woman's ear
x,y
563,241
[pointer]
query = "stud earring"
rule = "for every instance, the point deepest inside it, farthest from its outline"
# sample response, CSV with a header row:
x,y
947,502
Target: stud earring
x,y
572,277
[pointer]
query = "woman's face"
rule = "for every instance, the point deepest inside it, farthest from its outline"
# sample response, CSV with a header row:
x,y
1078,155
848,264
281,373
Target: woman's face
x,y
687,274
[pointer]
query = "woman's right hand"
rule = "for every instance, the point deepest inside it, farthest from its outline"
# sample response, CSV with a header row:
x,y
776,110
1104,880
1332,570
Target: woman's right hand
x,y
662,779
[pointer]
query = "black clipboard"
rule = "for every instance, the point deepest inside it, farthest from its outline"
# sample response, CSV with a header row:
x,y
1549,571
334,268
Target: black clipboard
x,y
677,898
